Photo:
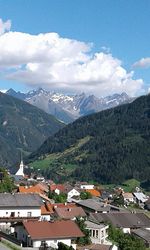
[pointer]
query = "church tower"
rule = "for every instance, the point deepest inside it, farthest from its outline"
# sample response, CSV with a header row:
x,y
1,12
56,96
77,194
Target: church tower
x,y
20,171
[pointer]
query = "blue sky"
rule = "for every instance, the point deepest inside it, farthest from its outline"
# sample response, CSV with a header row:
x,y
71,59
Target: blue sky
x,y
111,53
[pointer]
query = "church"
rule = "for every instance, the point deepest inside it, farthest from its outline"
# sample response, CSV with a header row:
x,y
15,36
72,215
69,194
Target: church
x,y
20,171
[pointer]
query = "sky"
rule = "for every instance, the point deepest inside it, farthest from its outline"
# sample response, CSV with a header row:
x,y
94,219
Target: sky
x,y
99,47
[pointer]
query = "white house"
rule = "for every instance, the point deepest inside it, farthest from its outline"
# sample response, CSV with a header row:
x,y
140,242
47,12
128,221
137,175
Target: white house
x,y
37,233
98,232
16,207
87,186
128,198
140,198
72,193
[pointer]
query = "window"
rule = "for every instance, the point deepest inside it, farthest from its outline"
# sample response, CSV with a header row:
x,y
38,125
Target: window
x,y
12,214
96,233
29,214
93,233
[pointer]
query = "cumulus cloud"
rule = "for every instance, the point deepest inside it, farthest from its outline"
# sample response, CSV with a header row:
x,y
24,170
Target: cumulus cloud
x,y
63,64
4,26
142,63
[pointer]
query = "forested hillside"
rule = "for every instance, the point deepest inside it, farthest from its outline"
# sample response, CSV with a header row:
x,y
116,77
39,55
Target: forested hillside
x,y
109,147
23,127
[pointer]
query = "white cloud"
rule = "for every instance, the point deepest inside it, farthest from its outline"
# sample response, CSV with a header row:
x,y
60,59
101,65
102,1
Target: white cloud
x,y
142,63
4,26
63,64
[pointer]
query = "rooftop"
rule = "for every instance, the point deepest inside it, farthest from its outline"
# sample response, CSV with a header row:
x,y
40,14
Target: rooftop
x,y
93,192
140,196
125,220
93,225
60,187
142,233
94,205
70,213
20,200
127,195
52,230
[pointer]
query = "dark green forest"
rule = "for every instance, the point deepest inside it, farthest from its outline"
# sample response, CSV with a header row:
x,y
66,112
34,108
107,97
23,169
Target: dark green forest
x,y
23,127
117,148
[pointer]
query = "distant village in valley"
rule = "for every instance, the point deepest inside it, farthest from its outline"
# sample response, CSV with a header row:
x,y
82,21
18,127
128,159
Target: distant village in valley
x,y
40,214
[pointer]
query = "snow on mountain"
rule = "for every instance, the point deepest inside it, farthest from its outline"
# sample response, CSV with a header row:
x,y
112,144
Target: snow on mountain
x,y
69,107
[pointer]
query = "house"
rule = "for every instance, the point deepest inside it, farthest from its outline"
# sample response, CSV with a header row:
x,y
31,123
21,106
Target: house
x,y
92,205
63,205
72,193
36,233
140,198
94,192
46,211
70,213
98,232
57,188
128,198
15,207
37,189
86,186
125,221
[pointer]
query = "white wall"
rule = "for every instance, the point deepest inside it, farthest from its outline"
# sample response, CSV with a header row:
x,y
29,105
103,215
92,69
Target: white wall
x,y
72,193
98,236
126,230
20,212
57,191
22,235
52,243
45,217
87,186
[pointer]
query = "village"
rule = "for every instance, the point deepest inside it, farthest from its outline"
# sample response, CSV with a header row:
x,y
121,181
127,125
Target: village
x,y
40,214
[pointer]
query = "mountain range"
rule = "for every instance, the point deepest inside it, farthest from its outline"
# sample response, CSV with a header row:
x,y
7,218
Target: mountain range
x,y
23,127
68,108
106,147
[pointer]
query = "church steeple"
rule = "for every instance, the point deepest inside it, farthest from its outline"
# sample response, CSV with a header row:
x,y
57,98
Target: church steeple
x,y
21,168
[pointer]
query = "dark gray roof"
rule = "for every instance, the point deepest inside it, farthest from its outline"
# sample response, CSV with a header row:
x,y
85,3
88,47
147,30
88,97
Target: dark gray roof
x,y
142,233
94,205
20,200
122,220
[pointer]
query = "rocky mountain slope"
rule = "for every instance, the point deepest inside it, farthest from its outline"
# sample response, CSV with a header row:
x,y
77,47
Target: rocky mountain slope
x,y
23,127
67,108
108,147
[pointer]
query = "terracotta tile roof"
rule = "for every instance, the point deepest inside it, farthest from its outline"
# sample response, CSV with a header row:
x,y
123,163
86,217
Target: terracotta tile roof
x,y
52,230
70,213
46,209
65,205
32,189
43,187
61,187
93,192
